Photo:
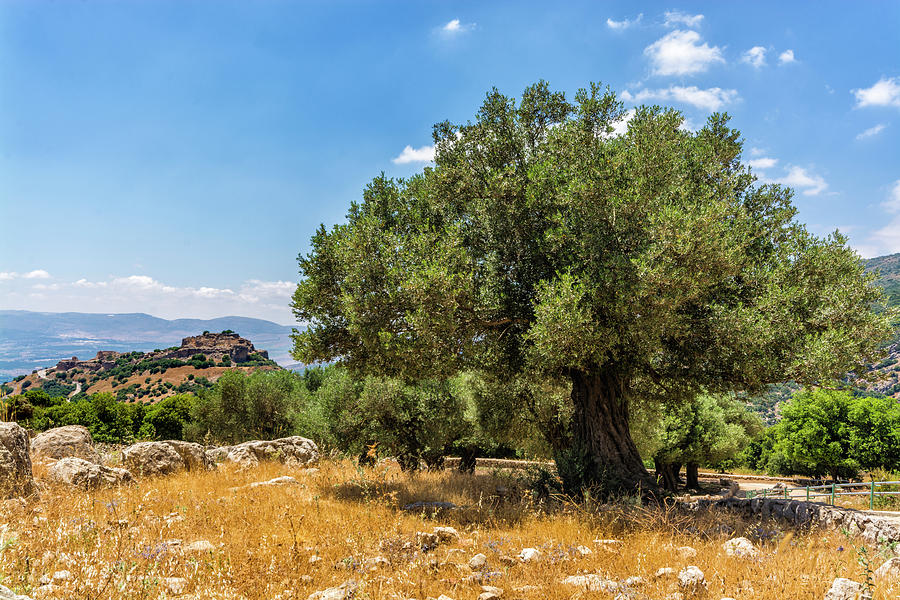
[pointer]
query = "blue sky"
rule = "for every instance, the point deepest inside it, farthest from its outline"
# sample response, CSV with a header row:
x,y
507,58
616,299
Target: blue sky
x,y
175,157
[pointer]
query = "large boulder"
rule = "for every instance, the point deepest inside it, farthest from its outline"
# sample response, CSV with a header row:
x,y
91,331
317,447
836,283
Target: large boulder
x,y
64,442
163,458
86,475
16,478
8,594
294,451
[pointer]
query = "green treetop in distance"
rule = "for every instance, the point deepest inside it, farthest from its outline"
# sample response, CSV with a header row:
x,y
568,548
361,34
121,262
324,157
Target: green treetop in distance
x,y
642,267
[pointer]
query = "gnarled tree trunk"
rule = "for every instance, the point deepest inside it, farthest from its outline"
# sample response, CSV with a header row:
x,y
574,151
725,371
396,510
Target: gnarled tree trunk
x,y
601,430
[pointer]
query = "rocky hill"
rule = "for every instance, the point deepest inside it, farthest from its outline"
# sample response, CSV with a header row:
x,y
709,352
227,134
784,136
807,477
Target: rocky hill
x,y
147,377
35,340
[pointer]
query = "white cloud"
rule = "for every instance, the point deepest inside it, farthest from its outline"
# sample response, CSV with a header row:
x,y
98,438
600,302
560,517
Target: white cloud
x,y
762,163
755,56
871,131
456,27
886,92
681,53
141,293
799,178
887,239
711,99
674,17
786,57
36,274
757,151
624,23
620,127
411,155
892,205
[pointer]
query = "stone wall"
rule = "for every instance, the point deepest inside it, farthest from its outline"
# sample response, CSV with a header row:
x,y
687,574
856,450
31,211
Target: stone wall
x,y
873,528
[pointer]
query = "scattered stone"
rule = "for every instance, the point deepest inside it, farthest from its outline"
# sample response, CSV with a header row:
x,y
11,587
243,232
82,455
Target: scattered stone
x,y
342,592
891,568
691,578
583,551
530,555
175,585
686,552
200,546
664,572
634,581
294,451
609,545
489,592
16,478
59,576
478,562
278,481
446,535
844,589
315,559
591,583
740,547
65,442
164,458
87,475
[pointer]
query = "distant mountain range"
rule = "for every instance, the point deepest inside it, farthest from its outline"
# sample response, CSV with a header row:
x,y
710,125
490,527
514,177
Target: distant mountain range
x,y
30,340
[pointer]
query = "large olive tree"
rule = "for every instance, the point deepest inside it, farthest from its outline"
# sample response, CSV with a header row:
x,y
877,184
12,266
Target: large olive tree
x,y
646,266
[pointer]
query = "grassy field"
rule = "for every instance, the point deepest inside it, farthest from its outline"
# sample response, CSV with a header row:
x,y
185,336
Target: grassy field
x,y
125,543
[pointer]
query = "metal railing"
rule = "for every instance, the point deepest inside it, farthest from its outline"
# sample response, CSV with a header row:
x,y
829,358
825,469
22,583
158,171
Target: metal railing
x,y
830,491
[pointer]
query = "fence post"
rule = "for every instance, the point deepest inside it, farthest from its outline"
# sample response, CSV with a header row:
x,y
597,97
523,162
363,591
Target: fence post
x,y
807,493
832,493
764,493
872,496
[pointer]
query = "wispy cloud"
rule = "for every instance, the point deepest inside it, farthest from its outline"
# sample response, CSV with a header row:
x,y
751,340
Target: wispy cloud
x,y
762,163
624,23
676,17
808,183
456,27
755,56
886,92
786,57
871,131
682,53
892,205
887,238
411,155
36,274
142,293
711,99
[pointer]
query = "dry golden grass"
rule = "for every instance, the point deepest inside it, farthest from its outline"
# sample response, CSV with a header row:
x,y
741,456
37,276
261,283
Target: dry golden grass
x,y
117,543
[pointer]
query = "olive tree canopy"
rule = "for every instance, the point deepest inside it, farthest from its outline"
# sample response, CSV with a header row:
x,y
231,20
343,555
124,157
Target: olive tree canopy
x,y
643,266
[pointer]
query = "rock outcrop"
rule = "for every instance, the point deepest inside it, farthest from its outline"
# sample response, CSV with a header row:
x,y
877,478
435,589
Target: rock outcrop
x,y
65,442
294,451
86,475
166,457
16,478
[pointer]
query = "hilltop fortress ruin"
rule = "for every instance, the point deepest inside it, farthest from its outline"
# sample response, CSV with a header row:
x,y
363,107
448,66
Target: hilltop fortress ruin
x,y
213,346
